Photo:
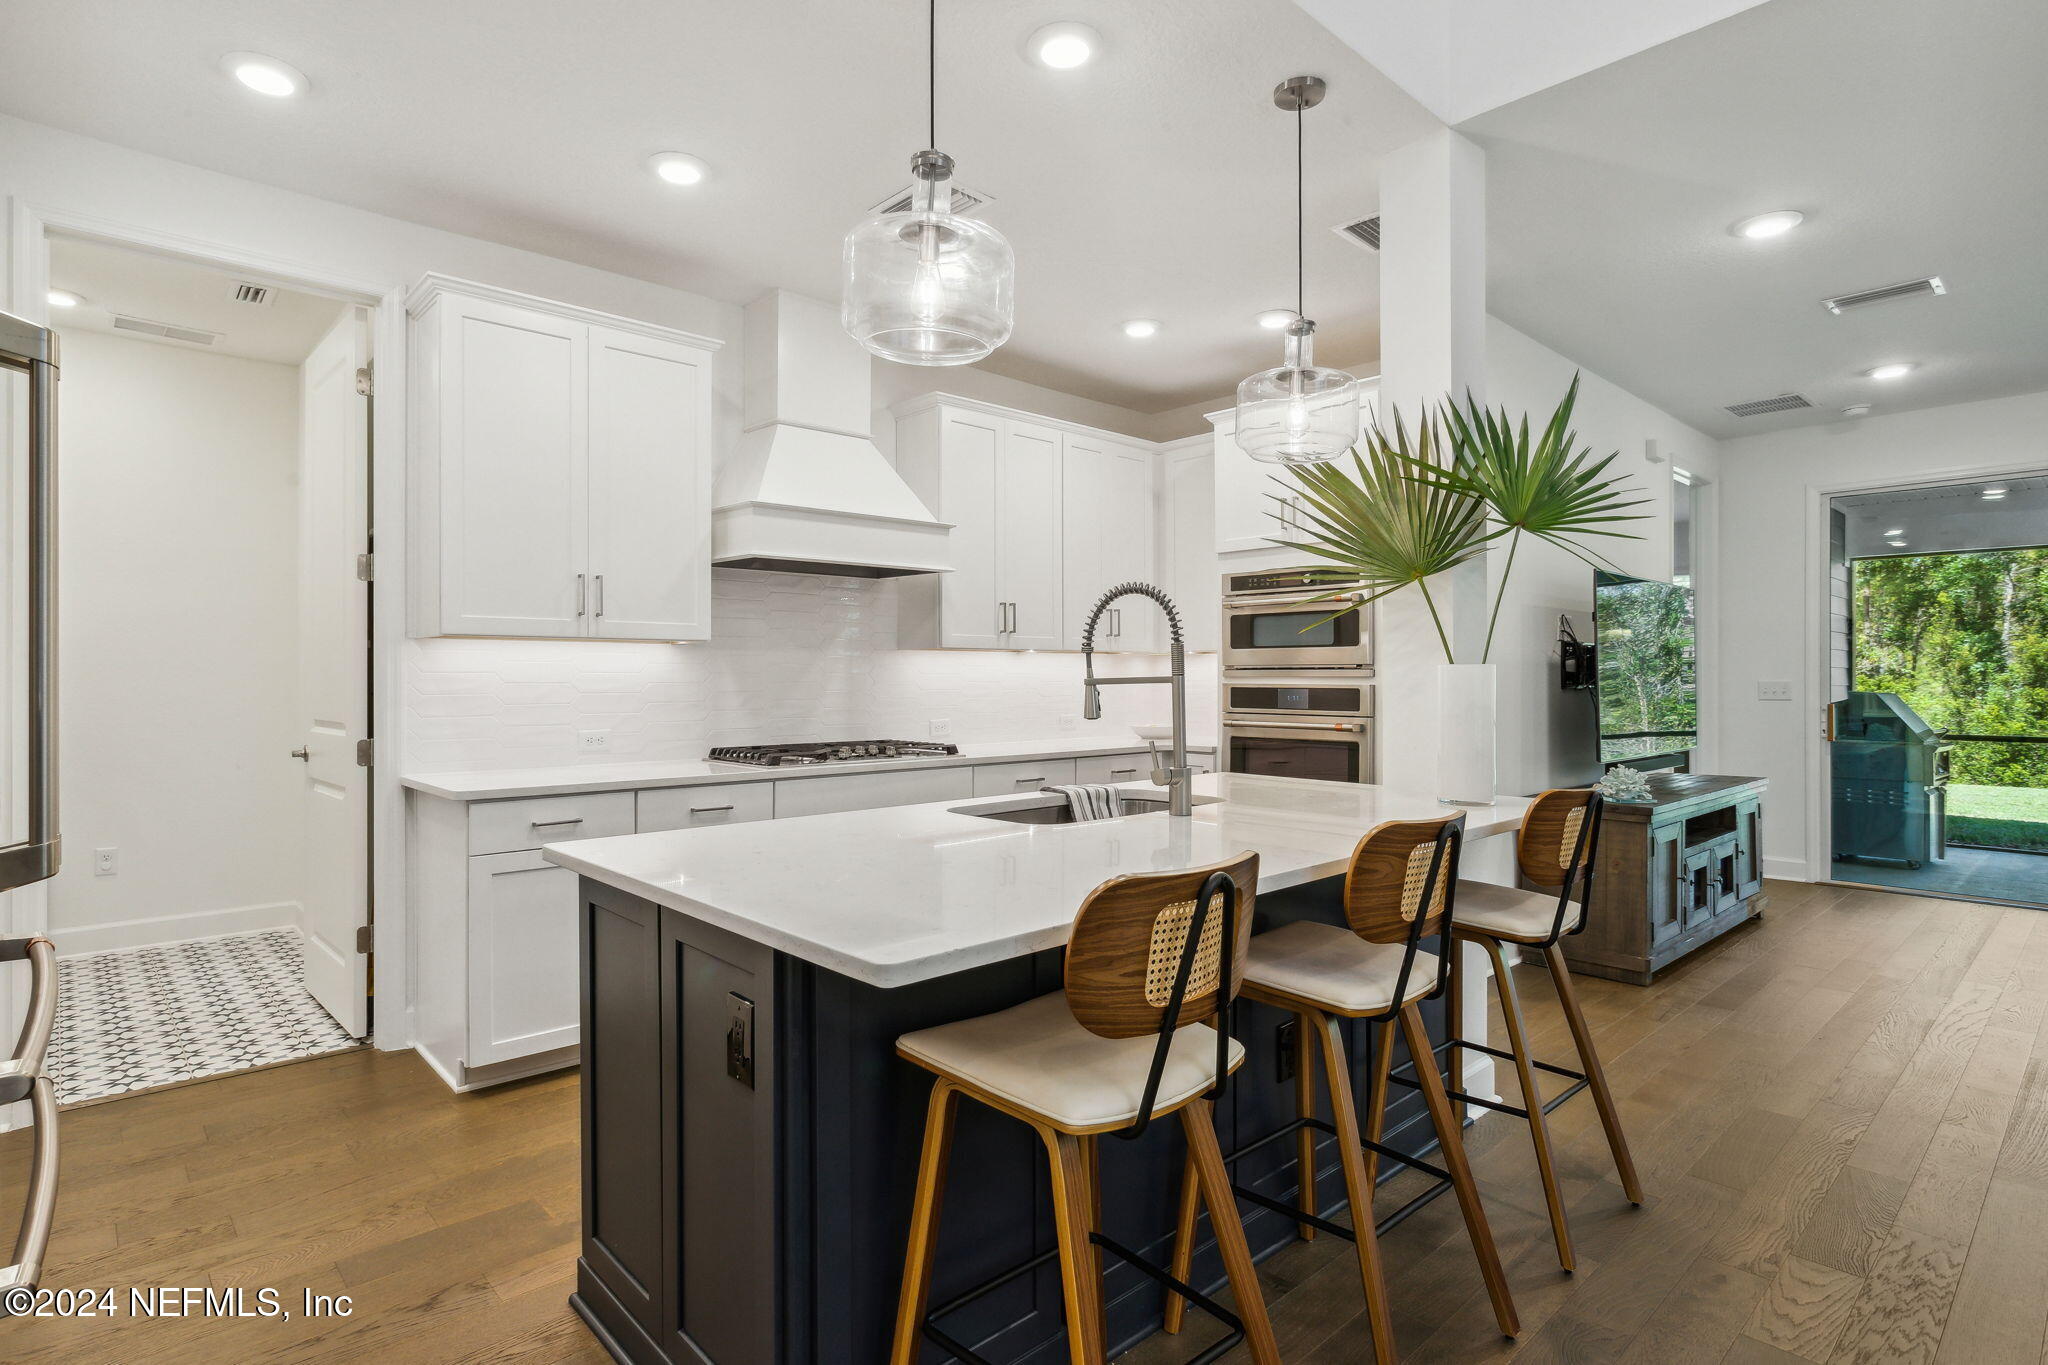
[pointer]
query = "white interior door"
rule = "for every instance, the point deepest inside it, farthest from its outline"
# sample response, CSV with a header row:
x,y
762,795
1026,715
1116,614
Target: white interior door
x,y
334,669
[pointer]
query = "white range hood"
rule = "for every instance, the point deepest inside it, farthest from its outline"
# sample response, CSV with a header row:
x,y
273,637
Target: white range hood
x,y
806,491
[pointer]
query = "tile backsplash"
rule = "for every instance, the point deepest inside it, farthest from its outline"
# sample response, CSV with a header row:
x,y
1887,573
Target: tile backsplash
x,y
792,657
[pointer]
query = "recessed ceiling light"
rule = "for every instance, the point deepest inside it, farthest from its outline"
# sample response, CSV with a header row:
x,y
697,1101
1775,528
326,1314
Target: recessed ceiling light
x,y
1063,46
1273,319
1896,543
1774,224
1898,369
64,298
264,75
1856,410
678,168
1992,494
1141,328
1896,531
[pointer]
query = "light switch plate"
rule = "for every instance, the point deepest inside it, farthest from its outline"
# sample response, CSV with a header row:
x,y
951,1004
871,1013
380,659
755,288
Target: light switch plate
x,y
1773,691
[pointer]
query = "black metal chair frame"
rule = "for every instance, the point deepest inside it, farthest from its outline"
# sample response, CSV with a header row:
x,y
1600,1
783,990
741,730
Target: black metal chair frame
x,y
1450,842
1219,887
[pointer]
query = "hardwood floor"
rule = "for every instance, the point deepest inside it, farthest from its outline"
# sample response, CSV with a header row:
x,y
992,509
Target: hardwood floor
x,y
1840,1115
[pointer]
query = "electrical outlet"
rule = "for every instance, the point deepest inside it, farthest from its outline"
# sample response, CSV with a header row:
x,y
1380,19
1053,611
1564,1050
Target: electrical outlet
x,y
588,740
1773,691
105,862
942,729
1070,722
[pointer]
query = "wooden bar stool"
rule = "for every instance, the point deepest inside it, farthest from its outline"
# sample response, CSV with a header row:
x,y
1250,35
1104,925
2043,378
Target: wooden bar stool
x,y
1398,891
1555,849
1152,956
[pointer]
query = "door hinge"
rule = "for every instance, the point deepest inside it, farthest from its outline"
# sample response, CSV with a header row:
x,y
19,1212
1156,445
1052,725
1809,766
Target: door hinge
x,y
366,750
366,382
364,939
366,568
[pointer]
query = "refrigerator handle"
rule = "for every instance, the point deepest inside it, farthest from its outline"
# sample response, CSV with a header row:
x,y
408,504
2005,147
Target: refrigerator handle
x,y
32,350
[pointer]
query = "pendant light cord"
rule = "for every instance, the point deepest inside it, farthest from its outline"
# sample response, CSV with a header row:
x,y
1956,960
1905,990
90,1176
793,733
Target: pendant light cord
x,y
931,103
1300,231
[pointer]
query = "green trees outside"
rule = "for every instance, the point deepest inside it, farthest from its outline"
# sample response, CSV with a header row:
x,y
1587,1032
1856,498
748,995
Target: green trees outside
x,y
1963,638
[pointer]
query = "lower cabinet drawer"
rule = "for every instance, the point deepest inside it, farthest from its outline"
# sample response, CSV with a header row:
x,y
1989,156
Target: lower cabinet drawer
x,y
870,791
522,957
1112,768
503,826
696,807
1004,779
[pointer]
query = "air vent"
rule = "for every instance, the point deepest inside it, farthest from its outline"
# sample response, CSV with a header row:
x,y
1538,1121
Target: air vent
x,y
1365,232
254,295
164,330
1863,298
1784,402
965,201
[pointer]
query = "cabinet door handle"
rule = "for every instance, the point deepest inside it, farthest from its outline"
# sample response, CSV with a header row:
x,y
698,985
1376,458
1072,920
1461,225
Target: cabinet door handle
x,y
582,594
1121,772
556,824
1013,618
708,810
600,595
1002,615
1022,780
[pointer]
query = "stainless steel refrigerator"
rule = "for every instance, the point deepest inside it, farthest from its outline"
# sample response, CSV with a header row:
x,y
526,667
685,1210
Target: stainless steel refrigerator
x,y
28,802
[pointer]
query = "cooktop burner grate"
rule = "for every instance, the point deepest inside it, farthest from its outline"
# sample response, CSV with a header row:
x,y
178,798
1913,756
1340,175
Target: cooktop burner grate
x,y
834,751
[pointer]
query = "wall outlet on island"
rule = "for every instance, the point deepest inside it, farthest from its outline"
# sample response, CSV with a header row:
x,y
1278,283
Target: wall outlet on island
x,y
1070,723
593,741
942,729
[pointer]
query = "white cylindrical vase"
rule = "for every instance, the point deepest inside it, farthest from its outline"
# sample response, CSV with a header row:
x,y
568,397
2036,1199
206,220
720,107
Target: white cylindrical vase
x,y
1464,753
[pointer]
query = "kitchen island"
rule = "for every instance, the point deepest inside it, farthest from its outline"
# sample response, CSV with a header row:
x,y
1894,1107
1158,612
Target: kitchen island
x,y
749,1136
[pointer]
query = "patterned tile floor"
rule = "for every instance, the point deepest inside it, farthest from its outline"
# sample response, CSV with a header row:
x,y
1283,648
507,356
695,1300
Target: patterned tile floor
x,y
144,1017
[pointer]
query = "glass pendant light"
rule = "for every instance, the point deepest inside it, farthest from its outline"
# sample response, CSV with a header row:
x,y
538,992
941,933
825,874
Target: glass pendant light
x,y
926,286
1299,413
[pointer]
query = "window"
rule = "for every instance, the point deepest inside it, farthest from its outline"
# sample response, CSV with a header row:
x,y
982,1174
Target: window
x,y
1684,523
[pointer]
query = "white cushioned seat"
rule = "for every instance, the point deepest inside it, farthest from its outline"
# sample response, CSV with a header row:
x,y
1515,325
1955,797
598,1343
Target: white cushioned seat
x,y
1039,1058
1509,911
1335,968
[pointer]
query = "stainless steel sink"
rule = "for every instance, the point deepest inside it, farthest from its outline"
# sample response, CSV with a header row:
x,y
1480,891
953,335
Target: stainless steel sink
x,y
1054,810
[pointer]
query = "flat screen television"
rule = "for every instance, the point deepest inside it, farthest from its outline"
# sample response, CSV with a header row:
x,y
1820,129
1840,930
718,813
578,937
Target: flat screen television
x,y
1645,686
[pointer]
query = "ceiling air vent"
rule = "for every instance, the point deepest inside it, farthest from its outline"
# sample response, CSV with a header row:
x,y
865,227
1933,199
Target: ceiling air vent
x,y
1365,232
164,330
1784,402
1911,289
965,201
255,295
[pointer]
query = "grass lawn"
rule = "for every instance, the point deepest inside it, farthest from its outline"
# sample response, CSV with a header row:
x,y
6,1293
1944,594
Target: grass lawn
x,y
1999,817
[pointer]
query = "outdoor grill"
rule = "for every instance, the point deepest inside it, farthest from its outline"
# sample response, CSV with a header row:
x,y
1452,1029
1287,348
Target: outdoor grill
x,y
1890,781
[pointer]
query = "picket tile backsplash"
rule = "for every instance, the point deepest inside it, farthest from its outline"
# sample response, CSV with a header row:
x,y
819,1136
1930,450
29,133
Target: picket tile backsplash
x,y
791,657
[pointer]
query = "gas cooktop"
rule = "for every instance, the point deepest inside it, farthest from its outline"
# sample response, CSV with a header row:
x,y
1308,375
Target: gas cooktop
x,y
836,751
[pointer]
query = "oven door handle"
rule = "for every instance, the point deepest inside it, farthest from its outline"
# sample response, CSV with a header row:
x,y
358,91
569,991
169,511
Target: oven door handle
x,y
1261,603
1345,726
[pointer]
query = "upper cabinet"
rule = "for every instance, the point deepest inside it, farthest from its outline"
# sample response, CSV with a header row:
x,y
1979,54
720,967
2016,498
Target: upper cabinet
x,y
996,478
1107,519
1187,549
1255,503
561,470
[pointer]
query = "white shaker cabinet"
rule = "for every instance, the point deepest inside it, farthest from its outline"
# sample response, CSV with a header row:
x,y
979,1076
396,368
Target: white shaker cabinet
x,y
997,480
1107,522
560,470
1187,550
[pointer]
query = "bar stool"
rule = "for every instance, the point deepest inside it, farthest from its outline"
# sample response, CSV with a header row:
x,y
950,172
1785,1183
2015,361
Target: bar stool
x,y
1556,849
1151,957
1398,891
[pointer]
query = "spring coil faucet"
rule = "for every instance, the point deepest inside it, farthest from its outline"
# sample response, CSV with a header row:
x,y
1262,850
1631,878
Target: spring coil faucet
x,y
1175,775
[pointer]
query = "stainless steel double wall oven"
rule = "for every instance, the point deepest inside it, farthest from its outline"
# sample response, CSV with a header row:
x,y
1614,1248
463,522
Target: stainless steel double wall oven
x,y
1297,689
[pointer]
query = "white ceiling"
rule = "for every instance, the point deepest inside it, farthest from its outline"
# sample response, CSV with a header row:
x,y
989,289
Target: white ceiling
x,y
1912,135
1155,182
160,289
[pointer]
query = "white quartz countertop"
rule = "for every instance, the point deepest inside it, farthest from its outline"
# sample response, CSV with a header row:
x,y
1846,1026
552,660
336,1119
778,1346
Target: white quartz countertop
x,y
907,893
499,783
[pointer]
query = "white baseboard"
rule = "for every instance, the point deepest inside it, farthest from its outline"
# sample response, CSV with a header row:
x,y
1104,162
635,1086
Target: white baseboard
x,y
1786,869
142,933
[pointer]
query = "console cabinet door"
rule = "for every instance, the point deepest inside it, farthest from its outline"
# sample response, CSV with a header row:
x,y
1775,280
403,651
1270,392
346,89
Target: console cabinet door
x,y
1670,892
1749,846
650,488
511,407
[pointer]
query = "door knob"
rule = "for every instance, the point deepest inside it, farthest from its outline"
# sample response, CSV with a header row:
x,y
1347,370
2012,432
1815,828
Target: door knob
x,y
301,754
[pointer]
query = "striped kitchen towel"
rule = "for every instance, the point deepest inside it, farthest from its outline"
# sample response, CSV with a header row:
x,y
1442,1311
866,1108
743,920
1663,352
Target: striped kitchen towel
x,y
1093,800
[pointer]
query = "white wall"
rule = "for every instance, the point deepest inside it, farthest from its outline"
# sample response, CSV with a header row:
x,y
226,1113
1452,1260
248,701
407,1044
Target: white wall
x,y
1772,544
178,543
1543,731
